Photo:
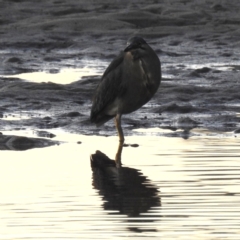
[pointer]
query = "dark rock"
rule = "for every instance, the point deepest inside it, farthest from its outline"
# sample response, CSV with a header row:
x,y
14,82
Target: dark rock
x,y
80,102
14,60
185,123
47,119
54,71
198,72
134,145
203,70
173,107
71,114
218,7
19,143
45,134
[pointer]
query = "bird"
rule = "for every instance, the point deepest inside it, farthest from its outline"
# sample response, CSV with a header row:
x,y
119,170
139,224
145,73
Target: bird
x,y
129,82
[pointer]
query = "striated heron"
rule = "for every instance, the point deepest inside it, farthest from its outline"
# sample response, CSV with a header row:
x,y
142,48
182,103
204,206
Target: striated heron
x,y
129,82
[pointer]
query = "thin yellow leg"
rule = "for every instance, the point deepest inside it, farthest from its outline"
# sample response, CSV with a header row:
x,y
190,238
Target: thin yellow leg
x,y
119,128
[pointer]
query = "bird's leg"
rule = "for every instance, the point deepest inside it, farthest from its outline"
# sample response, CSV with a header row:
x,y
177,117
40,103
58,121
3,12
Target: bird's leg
x,y
121,140
119,128
118,155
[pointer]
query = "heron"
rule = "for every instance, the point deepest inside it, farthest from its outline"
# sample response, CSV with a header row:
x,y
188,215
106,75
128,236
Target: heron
x,y
129,82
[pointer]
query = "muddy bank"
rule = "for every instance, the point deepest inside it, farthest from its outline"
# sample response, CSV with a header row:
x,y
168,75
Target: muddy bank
x,y
197,42
19,143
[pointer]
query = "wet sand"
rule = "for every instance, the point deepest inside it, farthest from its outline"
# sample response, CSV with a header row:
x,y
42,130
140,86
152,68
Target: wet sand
x,y
197,41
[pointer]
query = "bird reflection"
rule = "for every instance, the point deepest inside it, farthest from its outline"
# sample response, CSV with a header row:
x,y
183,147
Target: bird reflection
x,y
118,157
124,190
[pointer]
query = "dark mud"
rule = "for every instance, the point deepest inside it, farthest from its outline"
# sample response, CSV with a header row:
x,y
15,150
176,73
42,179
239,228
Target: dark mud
x,y
19,143
198,43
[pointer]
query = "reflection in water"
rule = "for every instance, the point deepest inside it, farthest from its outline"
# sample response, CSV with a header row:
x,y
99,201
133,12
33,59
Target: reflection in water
x,y
118,157
47,193
124,190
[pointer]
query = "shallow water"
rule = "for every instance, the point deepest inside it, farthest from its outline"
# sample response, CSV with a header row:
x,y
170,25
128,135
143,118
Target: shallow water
x,y
93,67
168,188
65,76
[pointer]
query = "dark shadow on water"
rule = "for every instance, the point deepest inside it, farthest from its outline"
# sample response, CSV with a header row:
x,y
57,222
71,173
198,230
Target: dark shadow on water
x,y
125,191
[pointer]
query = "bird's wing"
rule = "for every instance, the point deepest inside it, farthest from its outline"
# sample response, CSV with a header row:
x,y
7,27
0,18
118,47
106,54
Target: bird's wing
x,y
114,64
109,87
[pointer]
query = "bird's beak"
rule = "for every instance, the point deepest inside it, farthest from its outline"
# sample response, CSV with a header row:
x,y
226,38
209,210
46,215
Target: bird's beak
x,y
127,49
133,46
130,47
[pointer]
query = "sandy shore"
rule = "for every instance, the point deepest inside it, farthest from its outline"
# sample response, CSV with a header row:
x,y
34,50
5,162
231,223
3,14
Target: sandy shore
x,y
198,43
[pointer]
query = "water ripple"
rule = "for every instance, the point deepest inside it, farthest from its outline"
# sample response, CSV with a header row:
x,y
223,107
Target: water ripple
x,y
182,189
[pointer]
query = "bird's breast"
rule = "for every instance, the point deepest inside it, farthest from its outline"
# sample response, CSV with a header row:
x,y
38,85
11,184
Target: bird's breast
x,y
137,74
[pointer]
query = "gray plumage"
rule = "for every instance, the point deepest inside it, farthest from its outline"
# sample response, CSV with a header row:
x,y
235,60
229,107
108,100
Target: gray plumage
x,y
129,82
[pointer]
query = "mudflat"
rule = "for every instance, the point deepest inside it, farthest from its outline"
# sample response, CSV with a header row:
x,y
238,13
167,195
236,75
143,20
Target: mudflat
x,y
198,43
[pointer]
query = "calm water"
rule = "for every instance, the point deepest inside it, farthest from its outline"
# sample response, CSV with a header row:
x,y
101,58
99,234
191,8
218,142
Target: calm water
x,y
168,188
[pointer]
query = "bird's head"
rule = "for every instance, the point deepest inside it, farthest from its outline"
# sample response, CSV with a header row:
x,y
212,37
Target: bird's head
x,y
135,43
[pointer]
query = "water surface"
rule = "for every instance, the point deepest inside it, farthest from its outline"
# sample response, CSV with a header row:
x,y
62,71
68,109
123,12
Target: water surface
x,y
168,188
